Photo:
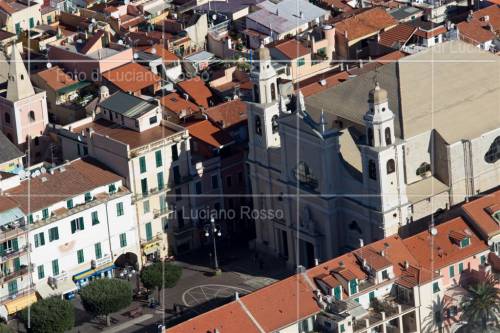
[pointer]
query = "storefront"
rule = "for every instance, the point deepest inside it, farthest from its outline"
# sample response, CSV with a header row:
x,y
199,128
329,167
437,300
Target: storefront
x,y
152,250
100,271
63,287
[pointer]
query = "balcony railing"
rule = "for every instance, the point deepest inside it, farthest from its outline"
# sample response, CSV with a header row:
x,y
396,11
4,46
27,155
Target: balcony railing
x,y
19,293
155,238
386,310
161,212
6,277
9,254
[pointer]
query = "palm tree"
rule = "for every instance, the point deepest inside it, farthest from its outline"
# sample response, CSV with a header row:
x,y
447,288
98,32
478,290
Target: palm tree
x,y
482,306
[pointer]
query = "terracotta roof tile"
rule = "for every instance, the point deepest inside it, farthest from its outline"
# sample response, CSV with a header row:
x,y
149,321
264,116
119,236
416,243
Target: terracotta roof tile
x,y
319,83
197,90
477,211
131,77
365,24
397,36
438,30
38,193
206,132
175,103
291,48
474,33
391,57
56,78
166,55
228,114
7,203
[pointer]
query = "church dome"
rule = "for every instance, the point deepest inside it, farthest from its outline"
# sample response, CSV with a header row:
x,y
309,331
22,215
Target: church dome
x,y
103,90
378,95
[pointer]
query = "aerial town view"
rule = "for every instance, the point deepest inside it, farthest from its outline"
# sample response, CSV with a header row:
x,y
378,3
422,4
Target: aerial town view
x,y
250,166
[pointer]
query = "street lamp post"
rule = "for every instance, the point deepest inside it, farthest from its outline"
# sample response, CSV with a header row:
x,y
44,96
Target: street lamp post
x,y
213,230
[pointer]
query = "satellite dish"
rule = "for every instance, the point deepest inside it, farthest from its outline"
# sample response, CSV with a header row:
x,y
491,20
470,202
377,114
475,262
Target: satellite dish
x,y
214,17
93,20
434,231
153,50
49,65
120,42
43,170
136,56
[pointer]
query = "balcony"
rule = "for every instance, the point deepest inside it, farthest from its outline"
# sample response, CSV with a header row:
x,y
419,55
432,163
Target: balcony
x,y
161,212
8,276
381,311
12,231
19,293
156,238
11,253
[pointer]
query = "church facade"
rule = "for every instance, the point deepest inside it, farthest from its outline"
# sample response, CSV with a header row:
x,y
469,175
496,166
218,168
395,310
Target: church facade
x,y
374,155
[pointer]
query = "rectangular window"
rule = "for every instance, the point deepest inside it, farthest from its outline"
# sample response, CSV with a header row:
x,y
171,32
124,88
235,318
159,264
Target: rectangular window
x,y
119,209
55,267
30,218
301,62
460,268
337,293
32,22
18,28
342,328
161,184
149,231
123,240
79,256
175,153
88,197
69,203
153,120
465,242
215,182
371,295
53,234
39,239
95,218
98,250
111,188
177,175
435,287
77,224
12,287
142,164
158,158
198,188
145,206
483,260
41,272
45,213
385,275
144,186
17,264
452,271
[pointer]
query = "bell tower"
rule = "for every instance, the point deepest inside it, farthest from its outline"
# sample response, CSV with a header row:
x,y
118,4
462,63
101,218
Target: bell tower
x,y
264,78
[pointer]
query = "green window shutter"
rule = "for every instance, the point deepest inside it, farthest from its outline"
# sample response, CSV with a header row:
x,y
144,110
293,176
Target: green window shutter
x,y
353,286
79,256
159,176
55,267
483,259
45,213
144,186
37,242
30,218
452,271
95,218
371,295
98,250
18,28
111,188
17,264
73,226
337,293
81,224
342,328
88,197
142,164
301,62
53,234
119,209
42,238
41,272
158,158
12,287
460,268
32,23
15,244
149,231
69,203
435,287
123,240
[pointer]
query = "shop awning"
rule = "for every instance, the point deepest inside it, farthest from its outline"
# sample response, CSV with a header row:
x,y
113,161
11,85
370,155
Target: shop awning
x,y
93,271
20,303
152,248
63,287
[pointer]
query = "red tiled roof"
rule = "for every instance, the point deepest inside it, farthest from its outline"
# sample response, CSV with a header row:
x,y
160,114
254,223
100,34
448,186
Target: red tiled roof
x,y
179,105
7,203
439,30
436,252
478,214
166,55
38,193
197,90
319,83
365,24
131,77
397,36
56,78
228,114
474,33
6,7
291,48
206,132
391,57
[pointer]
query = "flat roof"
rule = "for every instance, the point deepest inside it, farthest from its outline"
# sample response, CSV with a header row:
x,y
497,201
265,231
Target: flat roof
x,y
127,136
128,105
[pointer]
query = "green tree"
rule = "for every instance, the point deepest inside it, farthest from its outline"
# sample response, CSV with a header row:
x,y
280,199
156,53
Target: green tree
x,y
160,275
105,296
50,315
481,307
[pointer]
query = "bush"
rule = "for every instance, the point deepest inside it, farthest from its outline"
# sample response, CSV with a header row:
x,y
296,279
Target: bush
x,y
105,296
50,315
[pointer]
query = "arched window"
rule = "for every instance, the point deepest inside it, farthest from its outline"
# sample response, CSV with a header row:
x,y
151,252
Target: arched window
x,y
274,123
372,170
7,118
31,115
273,91
258,125
256,93
388,138
370,136
391,166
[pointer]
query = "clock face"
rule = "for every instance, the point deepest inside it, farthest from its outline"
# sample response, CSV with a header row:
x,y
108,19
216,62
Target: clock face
x,y
493,153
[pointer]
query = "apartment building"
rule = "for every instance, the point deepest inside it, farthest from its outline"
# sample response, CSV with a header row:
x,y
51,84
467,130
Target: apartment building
x,y
20,15
153,156
393,285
